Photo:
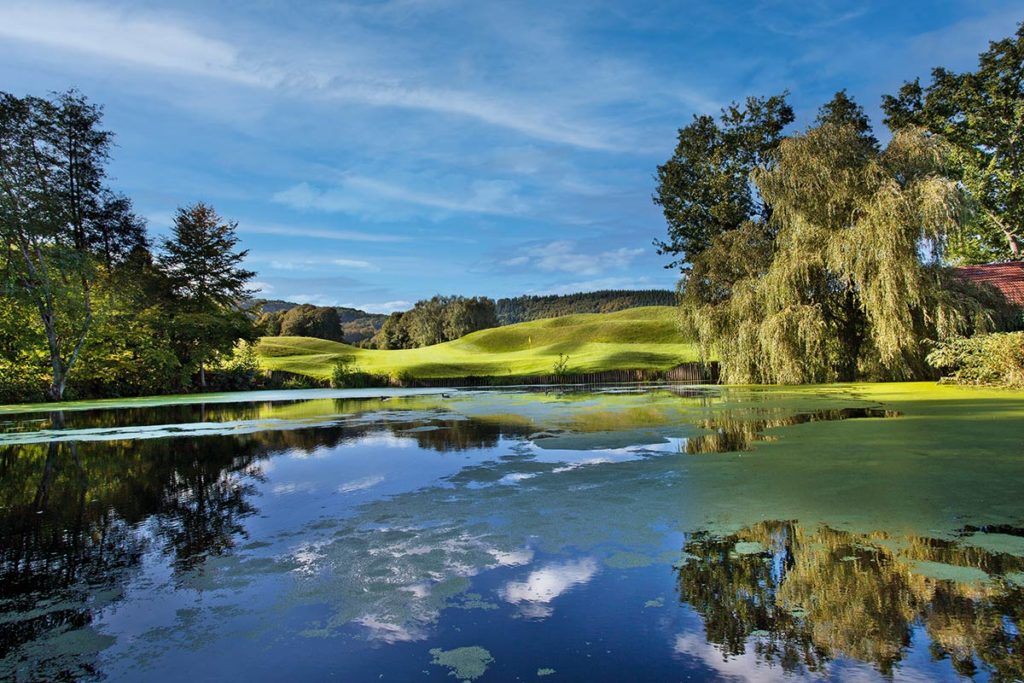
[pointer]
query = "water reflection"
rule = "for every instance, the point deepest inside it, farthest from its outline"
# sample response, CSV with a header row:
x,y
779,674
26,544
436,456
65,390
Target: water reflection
x,y
376,517
733,431
801,598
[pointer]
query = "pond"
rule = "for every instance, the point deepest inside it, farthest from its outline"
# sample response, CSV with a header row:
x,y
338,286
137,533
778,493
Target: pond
x,y
669,533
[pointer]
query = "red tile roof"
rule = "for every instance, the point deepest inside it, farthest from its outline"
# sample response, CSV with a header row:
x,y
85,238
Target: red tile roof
x,y
1008,277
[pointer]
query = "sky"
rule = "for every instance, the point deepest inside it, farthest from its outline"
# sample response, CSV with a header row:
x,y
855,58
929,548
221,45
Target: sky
x,y
378,152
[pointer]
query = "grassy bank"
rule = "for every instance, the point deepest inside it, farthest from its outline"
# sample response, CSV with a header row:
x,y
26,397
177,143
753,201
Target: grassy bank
x,y
632,339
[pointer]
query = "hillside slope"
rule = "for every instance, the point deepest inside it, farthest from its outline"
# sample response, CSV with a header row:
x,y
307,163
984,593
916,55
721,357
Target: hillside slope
x,y
634,338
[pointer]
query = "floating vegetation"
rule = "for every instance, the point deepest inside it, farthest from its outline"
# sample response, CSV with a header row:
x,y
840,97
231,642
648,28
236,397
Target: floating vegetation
x,y
465,663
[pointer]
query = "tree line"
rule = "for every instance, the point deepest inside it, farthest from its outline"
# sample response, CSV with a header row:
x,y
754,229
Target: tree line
x,y
90,306
336,323
822,254
522,309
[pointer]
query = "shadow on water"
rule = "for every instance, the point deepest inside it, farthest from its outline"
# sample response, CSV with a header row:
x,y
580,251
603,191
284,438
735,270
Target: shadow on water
x,y
731,434
800,598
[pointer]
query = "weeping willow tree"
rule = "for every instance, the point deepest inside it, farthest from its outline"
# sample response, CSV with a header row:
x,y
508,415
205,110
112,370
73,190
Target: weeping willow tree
x,y
845,279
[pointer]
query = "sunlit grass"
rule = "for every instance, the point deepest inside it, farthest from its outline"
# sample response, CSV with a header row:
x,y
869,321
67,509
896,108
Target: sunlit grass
x,y
635,338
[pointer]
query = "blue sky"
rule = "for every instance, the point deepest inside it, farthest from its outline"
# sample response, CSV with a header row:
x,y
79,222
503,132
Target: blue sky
x,y
375,153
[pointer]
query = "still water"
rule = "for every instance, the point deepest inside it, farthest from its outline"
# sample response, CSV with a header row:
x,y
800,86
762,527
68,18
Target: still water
x,y
666,534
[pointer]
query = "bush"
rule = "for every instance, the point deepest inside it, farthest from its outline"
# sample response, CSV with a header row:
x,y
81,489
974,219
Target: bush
x,y
239,371
345,375
21,383
990,359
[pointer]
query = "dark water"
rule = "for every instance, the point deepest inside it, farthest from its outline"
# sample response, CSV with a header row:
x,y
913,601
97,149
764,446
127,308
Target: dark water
x,y
669,534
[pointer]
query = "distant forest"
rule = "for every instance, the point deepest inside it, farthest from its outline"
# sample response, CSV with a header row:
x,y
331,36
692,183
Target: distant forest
x,y
352,326
522,309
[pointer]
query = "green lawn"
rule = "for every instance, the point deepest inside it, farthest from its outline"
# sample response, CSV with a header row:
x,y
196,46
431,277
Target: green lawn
x,y
634,338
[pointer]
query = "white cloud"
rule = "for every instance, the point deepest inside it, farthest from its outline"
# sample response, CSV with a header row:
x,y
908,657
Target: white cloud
x,y
303,262
385,307
356,194
320,233
542,586
261,287
567,257
597,284
360,484
144,41
163,42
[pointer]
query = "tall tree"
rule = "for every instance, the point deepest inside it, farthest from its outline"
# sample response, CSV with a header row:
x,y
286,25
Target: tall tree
x,y
208,286
705,188
848,281
58,222
981,115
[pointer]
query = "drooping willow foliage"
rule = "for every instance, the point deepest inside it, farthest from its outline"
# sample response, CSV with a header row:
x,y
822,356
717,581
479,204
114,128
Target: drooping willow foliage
x,y
845,279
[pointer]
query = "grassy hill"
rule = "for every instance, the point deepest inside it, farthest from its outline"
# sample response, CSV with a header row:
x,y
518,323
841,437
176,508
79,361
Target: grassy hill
x,y
635,338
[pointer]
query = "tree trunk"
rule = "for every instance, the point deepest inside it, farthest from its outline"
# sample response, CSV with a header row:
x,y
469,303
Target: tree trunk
x,y
202,376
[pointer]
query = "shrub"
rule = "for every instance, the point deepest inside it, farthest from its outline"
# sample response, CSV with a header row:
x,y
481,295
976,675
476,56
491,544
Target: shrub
x,y
993,359
240,370
21,383
345,375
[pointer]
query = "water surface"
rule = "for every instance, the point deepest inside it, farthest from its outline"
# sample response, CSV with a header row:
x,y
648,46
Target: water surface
x,y
671,533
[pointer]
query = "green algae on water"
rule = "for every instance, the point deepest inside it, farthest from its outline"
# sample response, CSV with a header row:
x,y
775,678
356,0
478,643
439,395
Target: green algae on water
x,y
465,663
941,571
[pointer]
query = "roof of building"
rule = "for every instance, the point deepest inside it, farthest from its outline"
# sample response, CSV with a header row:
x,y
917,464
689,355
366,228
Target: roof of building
x,y
1007,277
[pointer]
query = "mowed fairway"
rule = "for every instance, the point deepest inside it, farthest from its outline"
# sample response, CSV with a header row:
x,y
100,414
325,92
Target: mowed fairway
x,y
635,338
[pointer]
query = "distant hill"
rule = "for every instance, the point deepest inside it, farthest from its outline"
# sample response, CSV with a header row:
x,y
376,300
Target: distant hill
x,y
526,308
359,325
631,339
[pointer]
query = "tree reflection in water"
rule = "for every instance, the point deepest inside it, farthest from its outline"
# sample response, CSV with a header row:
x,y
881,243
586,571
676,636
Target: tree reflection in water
x,y
733,431
76,518
799,598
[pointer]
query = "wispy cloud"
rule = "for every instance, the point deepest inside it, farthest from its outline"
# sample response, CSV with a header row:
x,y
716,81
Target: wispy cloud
x,y
357,194
569,257
164,42
320,233
597,284
385,307
143,41
306,262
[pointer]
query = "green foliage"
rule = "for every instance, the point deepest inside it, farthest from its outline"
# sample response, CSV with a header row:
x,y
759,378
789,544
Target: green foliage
x,y
239,370
322,322
435,321
356,325
843,281
561,366
345,375
207,287
60,226
980,114
200,261
704,188
993,359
